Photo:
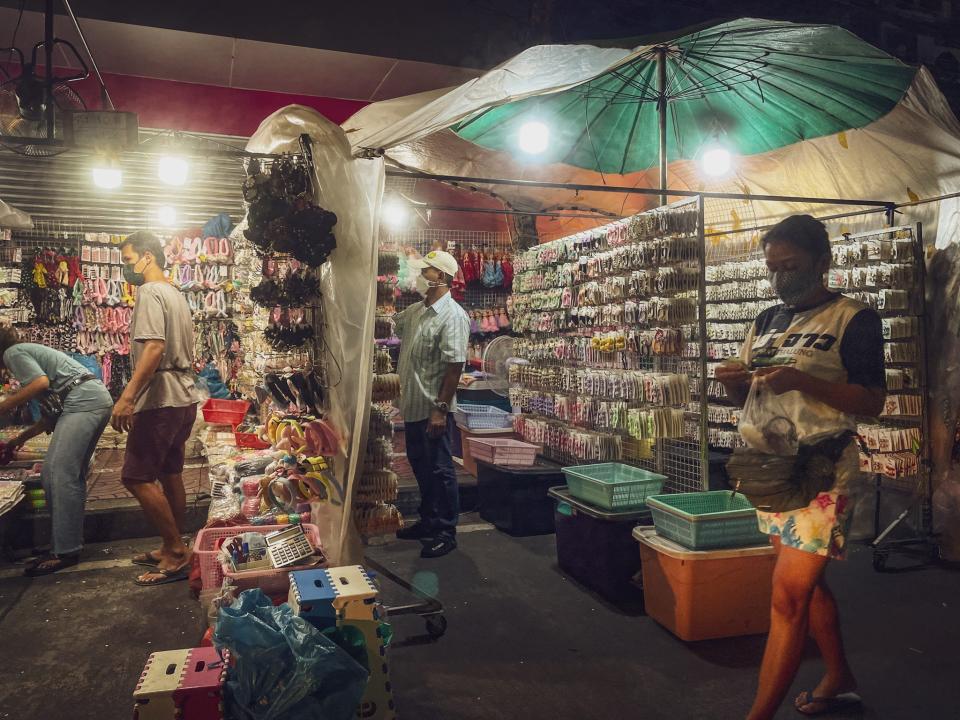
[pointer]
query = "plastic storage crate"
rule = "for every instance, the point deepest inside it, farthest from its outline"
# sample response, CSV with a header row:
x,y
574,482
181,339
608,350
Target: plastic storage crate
x,y
613,486
515,499
225,412
706,520
705,595
482,417
207,540
597,549
273,581
501,451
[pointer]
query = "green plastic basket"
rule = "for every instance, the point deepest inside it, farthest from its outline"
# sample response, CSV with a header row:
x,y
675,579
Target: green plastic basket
x,y
613,486
706,520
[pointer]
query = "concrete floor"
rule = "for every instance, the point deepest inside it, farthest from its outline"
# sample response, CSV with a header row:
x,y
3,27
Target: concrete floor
x,y
523,641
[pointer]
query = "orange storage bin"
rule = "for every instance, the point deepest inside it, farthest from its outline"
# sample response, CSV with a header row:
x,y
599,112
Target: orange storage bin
x,y
705,594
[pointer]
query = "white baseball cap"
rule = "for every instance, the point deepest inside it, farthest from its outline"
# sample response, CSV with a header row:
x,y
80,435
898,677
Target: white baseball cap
x,y
442,261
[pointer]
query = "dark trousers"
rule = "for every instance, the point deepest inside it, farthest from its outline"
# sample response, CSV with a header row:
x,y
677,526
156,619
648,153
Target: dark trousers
x,y
432,464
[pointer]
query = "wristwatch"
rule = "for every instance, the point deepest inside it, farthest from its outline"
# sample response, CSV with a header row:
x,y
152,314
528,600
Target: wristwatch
x,y
441,406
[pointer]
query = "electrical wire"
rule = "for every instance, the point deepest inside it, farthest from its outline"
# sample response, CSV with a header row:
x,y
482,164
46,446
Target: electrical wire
x,y
16,29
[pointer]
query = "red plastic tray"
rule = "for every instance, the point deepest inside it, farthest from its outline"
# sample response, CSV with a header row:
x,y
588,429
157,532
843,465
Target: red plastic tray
x,y
225,412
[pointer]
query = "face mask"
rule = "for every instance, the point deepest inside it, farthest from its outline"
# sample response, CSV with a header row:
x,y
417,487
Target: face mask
x,y
792,286
424,285
132,276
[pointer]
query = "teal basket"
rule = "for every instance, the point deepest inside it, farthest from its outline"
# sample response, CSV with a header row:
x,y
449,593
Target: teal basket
x,y
613,486
706,520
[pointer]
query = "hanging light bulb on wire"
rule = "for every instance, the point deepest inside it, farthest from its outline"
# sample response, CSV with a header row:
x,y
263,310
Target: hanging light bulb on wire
x,y
173,169
107,174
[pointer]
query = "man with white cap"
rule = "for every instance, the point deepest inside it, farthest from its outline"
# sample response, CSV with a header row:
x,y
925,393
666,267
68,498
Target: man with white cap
x,y
434,335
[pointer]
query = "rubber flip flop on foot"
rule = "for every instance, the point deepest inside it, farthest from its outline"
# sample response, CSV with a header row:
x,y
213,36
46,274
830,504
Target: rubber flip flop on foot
x,y
50,565
169,576
146,559
827,705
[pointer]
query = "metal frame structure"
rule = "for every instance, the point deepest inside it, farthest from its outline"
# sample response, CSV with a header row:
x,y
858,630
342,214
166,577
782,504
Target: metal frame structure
x,y
881,544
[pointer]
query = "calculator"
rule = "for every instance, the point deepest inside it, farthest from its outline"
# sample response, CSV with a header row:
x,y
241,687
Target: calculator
x,y
288,546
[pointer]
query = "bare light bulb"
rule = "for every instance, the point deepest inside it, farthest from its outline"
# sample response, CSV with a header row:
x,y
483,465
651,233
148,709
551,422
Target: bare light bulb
x,y
173,170
716,162
395,213
107,178
534,137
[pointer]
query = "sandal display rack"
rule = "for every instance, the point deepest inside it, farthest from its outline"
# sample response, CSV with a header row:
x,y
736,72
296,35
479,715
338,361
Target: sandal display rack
x,y
92,317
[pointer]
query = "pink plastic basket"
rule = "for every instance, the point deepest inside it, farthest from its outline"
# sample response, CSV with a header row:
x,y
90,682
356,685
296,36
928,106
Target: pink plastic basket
x,y
271,581
211,570
502,451
225,412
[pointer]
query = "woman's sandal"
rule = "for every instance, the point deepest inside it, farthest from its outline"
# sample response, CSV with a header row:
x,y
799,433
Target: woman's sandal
x,y
828,705
50,564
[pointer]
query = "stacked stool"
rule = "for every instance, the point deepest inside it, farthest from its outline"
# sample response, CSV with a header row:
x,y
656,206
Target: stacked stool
x,y
348,596
181,685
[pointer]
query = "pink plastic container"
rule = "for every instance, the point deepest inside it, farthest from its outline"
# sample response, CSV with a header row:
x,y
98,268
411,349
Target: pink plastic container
x,y
502,451
205,546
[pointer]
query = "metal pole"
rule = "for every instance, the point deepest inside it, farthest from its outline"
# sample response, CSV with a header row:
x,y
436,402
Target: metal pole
x,y
662,117
48,107
461,179
702,342
105,100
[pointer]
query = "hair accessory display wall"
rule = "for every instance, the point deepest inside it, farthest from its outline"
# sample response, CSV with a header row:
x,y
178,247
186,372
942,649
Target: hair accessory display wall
x,y
606,317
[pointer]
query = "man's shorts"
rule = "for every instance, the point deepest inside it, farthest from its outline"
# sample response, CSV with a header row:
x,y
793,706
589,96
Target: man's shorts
x,y
156,445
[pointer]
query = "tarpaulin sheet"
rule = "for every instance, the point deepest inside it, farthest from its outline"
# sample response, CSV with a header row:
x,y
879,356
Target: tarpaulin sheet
x,y
353,190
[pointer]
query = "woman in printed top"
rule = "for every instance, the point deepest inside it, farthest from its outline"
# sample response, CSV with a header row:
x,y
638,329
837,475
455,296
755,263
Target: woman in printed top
x,y
823,354
86,411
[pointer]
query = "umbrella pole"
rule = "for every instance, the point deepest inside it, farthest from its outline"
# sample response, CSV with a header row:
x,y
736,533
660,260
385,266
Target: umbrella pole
x,y
662,113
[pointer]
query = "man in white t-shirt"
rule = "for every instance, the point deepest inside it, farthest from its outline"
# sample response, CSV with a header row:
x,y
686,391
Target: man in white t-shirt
x,y
159,405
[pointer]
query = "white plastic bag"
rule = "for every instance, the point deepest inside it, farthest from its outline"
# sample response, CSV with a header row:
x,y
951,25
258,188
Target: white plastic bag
x,y
765,424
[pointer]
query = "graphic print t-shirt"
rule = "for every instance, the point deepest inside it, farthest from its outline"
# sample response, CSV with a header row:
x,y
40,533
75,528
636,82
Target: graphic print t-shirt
x,y
840,340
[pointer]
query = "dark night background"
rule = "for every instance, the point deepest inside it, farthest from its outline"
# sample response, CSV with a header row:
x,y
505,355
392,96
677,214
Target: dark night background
x,y
482,33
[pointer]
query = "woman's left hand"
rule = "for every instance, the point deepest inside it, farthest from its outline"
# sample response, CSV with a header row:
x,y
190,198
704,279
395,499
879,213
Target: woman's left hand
x,y
784,379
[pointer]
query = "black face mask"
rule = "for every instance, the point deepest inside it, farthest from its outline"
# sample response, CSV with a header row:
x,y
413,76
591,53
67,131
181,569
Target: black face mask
x,y
132,276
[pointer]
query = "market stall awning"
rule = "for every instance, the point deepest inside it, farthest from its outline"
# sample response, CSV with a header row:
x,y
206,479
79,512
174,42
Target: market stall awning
x,y
910,150
752,85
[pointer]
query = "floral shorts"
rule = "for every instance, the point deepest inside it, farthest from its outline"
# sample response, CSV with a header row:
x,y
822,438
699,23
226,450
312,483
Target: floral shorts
x,y
819,528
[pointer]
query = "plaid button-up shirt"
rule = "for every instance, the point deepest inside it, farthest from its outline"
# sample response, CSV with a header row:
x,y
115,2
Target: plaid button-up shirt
x,y
432,338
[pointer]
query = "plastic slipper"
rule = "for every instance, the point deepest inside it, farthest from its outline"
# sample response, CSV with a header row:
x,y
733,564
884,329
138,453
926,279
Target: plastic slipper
x,y
828,705
145,559
61,563
169,576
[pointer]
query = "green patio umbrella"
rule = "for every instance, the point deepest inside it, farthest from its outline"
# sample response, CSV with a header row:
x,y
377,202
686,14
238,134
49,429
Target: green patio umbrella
x,y
749,85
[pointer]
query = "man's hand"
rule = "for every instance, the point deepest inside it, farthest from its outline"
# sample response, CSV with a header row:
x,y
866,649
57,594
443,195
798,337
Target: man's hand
x,y
122,418
437,424
784,379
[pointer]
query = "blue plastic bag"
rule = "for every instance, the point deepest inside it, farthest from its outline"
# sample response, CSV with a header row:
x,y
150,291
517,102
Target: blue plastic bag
x,y
218,226
284,667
